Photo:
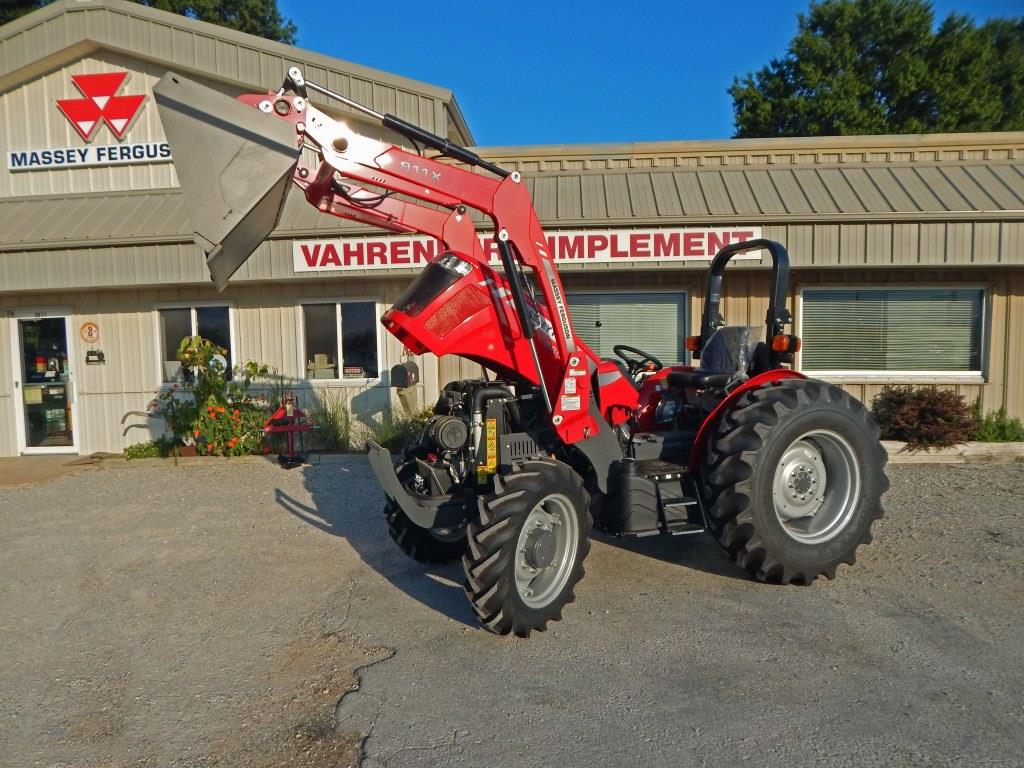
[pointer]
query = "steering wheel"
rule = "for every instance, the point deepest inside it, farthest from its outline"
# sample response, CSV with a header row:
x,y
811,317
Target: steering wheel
x,y
636,364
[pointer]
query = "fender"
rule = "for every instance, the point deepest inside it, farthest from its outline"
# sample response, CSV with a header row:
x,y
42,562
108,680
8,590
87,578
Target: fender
x,y
711,422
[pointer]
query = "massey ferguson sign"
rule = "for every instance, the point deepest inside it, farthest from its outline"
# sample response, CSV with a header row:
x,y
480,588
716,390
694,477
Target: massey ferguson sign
x,y
591,246
100,103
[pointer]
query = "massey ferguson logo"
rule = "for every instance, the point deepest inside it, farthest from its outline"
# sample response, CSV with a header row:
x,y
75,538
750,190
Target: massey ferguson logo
x,y
101,103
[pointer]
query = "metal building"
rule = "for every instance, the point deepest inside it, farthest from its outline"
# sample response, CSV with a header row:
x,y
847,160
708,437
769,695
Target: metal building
x,y
908,250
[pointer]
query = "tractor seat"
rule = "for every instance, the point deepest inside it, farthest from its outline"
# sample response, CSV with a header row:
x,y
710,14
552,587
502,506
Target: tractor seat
x,y
725,356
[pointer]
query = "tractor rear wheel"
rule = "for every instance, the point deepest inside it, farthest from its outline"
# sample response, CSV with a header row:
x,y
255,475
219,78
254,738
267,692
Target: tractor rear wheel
x,y
795,474
526,549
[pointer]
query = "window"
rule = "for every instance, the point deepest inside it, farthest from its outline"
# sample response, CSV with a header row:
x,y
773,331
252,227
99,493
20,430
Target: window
x,y
340,331
653,322
896,330
210,322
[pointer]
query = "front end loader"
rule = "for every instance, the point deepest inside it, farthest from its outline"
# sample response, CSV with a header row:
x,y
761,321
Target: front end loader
x,y
515,468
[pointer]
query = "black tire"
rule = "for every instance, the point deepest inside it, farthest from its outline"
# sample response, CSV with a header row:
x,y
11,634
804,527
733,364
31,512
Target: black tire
x,y
498,539
422,544
754,459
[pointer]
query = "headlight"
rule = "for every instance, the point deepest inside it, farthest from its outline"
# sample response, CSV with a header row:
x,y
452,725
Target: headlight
x,y
454,264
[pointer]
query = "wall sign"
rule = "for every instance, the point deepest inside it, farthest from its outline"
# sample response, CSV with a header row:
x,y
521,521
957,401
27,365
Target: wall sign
x,y
99,104
90,333
616,246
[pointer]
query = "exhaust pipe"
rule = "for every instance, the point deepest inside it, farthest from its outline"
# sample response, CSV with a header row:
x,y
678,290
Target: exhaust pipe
x,y
234,163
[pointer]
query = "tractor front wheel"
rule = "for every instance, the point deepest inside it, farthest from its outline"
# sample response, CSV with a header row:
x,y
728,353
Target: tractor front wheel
x,y
795,475
525,551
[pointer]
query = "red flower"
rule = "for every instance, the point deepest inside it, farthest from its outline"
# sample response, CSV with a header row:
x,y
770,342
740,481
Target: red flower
x,y
220,409
195,433
266,449
236,412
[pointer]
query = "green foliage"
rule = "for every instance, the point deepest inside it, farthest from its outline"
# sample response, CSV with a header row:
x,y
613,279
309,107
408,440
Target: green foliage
x,y
923,418
996,426
211,410
160,448
257,17
394,434
878,66
12,9
329,412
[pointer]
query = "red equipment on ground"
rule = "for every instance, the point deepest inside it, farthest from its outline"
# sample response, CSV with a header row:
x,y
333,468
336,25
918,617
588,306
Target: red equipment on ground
x,y
291,421
511,472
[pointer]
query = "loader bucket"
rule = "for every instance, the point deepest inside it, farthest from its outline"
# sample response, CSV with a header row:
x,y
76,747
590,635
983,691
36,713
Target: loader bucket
x,y
234,163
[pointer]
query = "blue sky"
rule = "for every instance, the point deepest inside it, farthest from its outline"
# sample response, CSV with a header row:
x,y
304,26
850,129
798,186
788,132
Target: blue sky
x,y
569,72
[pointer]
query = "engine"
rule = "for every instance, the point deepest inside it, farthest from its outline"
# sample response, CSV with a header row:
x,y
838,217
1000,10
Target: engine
x,y
477,425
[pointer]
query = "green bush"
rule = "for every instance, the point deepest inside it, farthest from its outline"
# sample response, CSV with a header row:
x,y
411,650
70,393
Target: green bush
x,y
210,409
394,434
923,418
151,449
996,426
329,413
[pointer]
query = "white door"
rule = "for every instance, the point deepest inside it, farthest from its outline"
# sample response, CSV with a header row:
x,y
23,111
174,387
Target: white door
x,y
44,382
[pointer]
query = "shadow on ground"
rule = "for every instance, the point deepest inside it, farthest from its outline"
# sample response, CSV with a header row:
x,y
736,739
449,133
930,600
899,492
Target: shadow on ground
x,y
360,521
697,551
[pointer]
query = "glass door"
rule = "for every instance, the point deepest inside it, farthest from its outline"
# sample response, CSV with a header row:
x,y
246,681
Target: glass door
x,y
47,413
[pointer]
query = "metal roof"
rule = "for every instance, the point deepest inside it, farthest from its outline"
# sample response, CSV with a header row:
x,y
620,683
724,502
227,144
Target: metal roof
x,y
68,29
975,191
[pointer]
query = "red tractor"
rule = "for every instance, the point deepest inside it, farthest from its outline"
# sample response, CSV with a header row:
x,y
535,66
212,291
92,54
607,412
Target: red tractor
x,y
513,470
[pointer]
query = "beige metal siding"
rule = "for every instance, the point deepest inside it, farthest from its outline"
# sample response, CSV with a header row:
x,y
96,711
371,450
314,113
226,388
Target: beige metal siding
x,y
267,330
55,34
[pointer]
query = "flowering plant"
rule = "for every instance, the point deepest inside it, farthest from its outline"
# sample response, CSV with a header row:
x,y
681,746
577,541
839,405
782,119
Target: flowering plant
x,y
212,408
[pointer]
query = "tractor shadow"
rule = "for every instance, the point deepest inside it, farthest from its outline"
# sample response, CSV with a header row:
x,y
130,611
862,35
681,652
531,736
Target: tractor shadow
x,y
356,516
698,551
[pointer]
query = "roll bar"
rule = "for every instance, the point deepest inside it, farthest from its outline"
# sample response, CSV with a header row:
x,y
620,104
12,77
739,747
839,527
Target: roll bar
x,y
777,316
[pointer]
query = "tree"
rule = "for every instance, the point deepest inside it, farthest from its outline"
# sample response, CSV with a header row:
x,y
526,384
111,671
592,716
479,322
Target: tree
x,y
880,66
257,17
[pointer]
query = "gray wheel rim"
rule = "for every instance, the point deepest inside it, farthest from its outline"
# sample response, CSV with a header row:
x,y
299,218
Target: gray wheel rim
x,y
816,486
553,516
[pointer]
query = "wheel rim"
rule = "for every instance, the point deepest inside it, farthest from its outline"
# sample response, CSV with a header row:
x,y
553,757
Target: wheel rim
x,y
816,486
546,550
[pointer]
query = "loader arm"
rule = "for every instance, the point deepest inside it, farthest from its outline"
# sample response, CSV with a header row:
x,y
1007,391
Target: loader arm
x,y
384,185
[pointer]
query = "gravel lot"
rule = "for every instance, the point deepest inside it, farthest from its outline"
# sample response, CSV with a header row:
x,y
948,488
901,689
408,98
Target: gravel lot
x,y
215,615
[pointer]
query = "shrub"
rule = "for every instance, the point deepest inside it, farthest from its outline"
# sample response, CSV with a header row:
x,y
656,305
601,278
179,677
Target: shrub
x,y
923,418
394,434
329,413
996,426
209,409
152,449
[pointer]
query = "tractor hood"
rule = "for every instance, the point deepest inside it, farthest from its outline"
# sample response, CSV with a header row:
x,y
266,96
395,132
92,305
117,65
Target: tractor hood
x,y
234,164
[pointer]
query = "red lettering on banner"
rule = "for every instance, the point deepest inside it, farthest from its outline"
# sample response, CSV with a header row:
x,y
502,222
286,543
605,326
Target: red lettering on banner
x,y
491,249
640,245
400,252
422,251
595,243
551,246
717,242
666,245
743,236
353,251
693,244
571,247
618,253
311,256
376,253
330,257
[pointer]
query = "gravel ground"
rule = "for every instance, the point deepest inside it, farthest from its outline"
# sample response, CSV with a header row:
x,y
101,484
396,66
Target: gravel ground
x,y
216,615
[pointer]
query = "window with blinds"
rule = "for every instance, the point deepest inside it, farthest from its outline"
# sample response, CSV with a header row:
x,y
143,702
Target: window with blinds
x,y
653,322
893,330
